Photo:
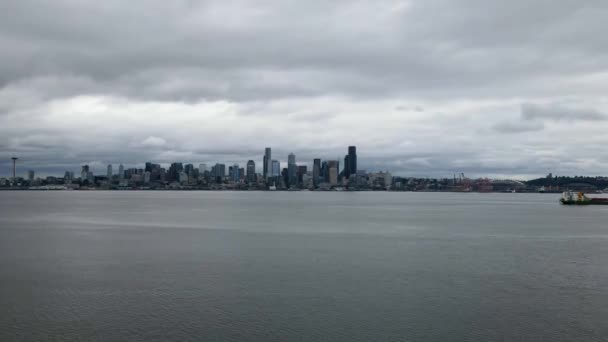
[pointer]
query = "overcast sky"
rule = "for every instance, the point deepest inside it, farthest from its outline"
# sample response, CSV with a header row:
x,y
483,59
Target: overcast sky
x,y
422,87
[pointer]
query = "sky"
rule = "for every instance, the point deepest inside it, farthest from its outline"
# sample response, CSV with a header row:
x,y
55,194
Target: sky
x,y
504,89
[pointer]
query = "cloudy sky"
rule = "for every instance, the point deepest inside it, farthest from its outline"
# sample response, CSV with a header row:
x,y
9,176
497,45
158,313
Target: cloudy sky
x,y
422,87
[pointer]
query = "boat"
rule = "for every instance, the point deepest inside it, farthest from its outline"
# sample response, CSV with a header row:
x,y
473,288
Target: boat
x,y
569,198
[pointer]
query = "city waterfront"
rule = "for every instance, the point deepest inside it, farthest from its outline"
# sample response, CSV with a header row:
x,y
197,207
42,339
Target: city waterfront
x,y
294,266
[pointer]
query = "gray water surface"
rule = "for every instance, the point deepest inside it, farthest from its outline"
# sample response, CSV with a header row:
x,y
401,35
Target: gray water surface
x,y
300,266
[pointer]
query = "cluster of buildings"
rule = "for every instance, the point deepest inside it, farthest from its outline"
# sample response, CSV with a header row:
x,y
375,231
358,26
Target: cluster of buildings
x,y
324,175
271,175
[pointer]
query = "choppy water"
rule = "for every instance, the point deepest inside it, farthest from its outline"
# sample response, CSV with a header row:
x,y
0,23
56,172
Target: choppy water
x,y
259,266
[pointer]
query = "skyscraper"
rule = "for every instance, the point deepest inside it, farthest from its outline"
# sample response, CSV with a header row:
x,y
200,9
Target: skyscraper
x,y
202,168
109,172
316,171
302,169
251,171
174,170
346,170
332,172
121,171
275,168
84,171
324,176
236,176
352,160
218,172
30,176
267,163
292,170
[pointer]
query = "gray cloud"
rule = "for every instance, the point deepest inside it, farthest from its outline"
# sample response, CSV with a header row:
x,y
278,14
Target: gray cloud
x,y
422,87
518,127
558,113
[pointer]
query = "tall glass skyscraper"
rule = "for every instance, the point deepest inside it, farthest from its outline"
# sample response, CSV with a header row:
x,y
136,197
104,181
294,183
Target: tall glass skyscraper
x,y
251,171
267,163
316,171
292,169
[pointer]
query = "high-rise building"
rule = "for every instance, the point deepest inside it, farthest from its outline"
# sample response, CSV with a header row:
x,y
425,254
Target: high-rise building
x,y
189,169
324,176
332,173
174,171
267,163
302,169
352,160
251,171
202,168
316,171
84,171
121,171
109,172
292,170
346,170
30,176
275,168
68,177
218,172
236,176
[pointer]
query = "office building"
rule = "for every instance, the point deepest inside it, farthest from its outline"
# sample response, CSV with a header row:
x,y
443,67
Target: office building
x,y
350,162
236,175
121,171
251,178
275,168
292,170
302,170
267,171
30,176
109,172
84,171
316,171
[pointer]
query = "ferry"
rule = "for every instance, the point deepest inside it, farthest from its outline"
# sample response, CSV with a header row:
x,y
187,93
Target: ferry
x,y
569,198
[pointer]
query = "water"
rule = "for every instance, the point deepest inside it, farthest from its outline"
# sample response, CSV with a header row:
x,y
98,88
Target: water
x,y
260,266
